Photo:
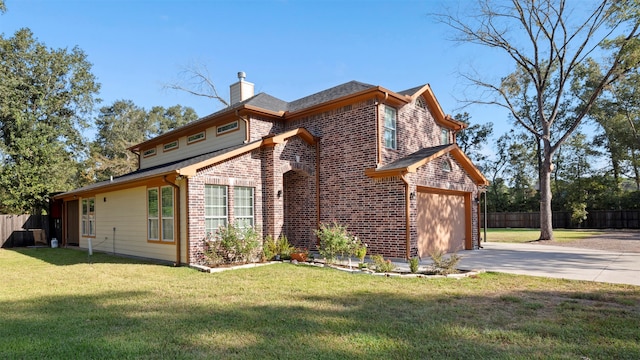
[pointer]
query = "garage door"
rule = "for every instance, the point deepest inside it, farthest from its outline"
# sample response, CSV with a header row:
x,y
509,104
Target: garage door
x,y
441,222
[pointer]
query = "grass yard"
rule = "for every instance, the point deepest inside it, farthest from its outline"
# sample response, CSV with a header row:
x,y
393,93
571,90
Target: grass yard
x,y
55,305
527,235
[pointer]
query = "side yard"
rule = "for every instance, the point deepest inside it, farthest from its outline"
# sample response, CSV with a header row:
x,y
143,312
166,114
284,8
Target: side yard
x,y
60,304
609,240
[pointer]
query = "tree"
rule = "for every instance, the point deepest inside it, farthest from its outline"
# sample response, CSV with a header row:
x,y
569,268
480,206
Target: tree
x,y
473,138
122,125
197,81
617,113
546,41
46,95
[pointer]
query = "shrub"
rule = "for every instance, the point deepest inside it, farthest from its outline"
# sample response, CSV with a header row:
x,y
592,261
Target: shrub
x,y
445,265
232,244
359,249
272,247
334,240
269,248
413,264
382,265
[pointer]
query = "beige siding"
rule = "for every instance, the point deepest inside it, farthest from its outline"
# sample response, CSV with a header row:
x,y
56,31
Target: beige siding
x,y
126,212
184,150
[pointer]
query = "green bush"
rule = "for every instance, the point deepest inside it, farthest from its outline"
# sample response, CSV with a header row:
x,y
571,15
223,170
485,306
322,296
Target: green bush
x,y
381,265
334,240
272,247
413,264
232,245
444,265
359,249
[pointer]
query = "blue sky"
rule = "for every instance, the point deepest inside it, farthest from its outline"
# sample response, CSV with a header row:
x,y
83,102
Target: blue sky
x,y
289,49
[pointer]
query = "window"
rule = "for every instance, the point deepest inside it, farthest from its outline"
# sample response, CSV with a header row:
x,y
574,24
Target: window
x,y
446,165
152,214
421,103
444,136
167,213
170,146
160,214
89,217
149,152
215,207
243,206
389,127
196,137
227,127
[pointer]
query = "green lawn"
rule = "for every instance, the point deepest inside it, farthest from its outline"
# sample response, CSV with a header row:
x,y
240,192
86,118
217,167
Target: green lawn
x,y
56,305
526,235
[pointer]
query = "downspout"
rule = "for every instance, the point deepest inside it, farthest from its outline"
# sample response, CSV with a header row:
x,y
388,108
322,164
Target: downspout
x,y
186,221
317,188
138,155
246,127
378,139
407,200
177,197
477,201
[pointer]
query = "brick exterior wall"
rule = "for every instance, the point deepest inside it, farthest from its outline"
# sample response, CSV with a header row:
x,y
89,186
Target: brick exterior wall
x,y
372,209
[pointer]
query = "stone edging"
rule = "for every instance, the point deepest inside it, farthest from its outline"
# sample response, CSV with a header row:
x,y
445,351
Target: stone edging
x,y
340,268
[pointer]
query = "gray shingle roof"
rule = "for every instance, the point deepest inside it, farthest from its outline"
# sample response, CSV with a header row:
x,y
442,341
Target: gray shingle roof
x,y
154,171
411,91
413,158
333,93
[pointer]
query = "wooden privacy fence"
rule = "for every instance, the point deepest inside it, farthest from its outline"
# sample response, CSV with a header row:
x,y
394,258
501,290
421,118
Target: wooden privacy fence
x,y
600,219
23,230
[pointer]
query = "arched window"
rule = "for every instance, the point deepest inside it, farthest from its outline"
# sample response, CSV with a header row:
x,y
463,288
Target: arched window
x,y
446,165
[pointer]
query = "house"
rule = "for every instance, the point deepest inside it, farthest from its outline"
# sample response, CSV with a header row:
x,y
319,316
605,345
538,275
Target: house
x,y
383,163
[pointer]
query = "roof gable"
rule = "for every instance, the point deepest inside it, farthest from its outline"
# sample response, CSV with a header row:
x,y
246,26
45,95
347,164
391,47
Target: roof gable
x,y
411,163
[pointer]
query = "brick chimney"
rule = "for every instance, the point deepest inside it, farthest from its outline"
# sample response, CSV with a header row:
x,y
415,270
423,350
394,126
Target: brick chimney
x,y
242,90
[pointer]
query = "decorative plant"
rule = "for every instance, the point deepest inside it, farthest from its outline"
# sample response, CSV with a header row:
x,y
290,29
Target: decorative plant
x,y
445,265
413,264
284,248
232,244
269,248
382,265
334,240
359,249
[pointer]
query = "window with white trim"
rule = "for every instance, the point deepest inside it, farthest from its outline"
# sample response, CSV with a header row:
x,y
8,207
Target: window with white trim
x,y
89,217
243,206
153,214
166,201
390,127
227,127
160,214
196,137
215,207
444,136
446,165
170,146
149,152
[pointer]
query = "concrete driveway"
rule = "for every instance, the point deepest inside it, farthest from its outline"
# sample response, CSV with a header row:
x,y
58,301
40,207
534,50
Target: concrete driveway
x,y
555,261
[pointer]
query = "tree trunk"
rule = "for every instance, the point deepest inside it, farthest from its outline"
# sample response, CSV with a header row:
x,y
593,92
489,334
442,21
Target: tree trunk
x,y
546,215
